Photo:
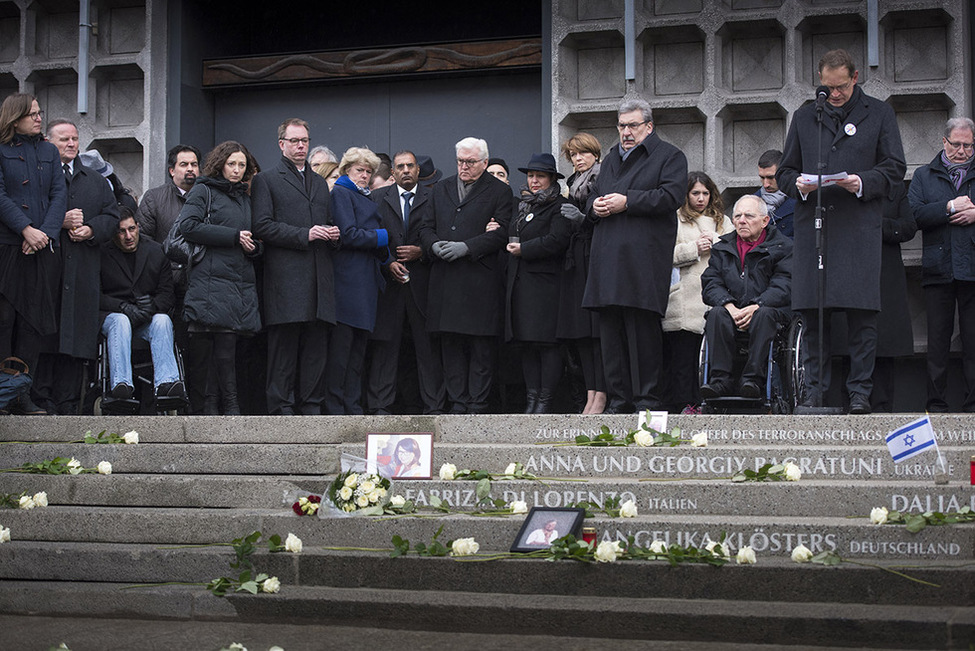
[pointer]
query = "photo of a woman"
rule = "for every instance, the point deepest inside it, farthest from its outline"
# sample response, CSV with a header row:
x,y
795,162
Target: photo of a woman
x,y
406,459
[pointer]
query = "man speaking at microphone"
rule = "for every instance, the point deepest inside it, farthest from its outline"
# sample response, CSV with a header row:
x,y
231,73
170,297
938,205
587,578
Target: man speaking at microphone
x,y
859,137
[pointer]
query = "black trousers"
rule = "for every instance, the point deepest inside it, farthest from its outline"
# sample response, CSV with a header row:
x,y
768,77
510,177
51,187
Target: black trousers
x,y
862,335
468,367
384,365
940,302
632,344
721,332
296,354
57,382
17,337
682,350
343,371
542,365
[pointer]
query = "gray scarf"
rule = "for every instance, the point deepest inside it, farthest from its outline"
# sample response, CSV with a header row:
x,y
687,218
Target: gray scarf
x,y
773,200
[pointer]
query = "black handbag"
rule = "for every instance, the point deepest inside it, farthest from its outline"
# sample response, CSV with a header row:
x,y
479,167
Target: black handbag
x,y
178,249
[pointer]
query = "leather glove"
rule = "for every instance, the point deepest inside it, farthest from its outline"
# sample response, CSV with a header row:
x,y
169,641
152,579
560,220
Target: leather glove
x,y
136,316
144,303
437,248
572,213
454,251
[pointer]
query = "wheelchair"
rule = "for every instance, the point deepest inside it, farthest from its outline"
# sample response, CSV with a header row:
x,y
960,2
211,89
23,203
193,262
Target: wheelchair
x,y
144,400
784,379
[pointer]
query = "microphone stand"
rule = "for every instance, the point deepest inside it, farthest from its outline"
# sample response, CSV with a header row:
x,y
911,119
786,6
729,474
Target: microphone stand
x,y
818,222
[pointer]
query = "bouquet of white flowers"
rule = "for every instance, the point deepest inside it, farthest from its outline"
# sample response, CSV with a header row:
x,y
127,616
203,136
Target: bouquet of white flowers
x,y
352,492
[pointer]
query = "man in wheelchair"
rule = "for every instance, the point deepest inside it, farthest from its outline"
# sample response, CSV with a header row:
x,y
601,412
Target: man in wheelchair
x,y
136,296
748,283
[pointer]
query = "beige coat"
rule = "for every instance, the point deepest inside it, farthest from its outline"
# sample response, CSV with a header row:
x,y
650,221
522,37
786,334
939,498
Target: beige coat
x,y
685,308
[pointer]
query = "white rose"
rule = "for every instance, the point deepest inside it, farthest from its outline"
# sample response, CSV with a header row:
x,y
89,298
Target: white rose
x,y
397,500
699,440
275,648
792,472
518,507
104,468
271,585
351,480
373,496
802,554
448,471
131,438
658,547
464,547
74,463
293,544
362,501
345,494
643,438
607,551
510,470
717,549
878,515
628,510
745,556
367,486
27,502
381,491
4,534
237,646
40,499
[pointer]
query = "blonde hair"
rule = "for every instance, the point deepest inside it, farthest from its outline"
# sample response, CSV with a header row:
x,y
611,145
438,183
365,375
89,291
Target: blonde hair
x,y
358,156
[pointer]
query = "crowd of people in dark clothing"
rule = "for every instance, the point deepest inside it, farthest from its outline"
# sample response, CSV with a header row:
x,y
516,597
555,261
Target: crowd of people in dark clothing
x,y
372,284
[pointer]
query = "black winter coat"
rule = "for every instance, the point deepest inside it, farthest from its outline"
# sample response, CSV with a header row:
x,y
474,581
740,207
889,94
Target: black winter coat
x,y
121,283
532,298
80,262
392,302
298,281
766,280
867,144
948,251
574,322
222,291
467,295
632,252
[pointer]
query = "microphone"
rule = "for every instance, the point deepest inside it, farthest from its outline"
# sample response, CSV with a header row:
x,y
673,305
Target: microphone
x,y
822,94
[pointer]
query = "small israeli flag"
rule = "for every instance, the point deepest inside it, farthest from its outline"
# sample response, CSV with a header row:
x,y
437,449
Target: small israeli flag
x,y
911,439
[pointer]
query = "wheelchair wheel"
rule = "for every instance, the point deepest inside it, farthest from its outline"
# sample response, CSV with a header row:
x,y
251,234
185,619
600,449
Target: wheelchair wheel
x,y
96,408
794,375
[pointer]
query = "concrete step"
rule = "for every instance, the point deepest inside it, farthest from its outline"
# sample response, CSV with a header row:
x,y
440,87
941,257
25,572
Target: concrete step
x,y
774,536
767,431
772,579
827,497
628,618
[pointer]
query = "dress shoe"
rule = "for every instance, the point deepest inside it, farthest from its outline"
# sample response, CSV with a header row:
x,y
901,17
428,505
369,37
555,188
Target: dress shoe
x,y
24,406
859,404
171,390
122,391
750,390
712,390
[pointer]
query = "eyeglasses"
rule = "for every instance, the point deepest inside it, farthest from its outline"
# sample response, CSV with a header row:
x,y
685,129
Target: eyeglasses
x,y
36,115
630,125
839,89
471,162
295,141
967,146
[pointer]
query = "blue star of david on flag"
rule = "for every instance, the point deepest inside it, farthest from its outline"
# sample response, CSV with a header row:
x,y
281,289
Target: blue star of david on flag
x,y
911,439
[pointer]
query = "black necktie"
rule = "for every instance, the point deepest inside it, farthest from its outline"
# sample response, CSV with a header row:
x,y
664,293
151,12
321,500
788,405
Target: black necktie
x,y
67,173
406,209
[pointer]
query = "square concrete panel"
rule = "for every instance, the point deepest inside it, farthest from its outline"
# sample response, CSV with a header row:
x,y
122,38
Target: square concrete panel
x,y
676,68
688,137
852,42
920,54
57,35
9,39
599,9
128,30
668,7
746,139
120,102
921,135
754,64
58,99
601,73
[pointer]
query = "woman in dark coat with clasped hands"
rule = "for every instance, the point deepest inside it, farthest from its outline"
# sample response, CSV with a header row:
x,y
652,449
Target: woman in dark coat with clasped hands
x,y
537,240
32,207
221,299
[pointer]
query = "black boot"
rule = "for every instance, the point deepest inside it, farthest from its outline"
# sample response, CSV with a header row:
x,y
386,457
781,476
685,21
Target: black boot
x,y
545,400
532,403
227,383
211,405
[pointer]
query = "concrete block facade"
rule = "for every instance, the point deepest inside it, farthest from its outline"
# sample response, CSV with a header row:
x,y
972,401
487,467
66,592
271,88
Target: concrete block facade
x,y
126,118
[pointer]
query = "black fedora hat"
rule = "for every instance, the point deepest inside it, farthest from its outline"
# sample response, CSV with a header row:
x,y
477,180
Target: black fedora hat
x,y
428,171
542,163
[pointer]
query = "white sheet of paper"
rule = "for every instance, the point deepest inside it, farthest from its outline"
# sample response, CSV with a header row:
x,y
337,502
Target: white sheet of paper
x,y
828,179
658,420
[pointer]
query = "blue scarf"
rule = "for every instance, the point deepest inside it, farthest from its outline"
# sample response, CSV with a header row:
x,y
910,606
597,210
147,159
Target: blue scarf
x,y
346,182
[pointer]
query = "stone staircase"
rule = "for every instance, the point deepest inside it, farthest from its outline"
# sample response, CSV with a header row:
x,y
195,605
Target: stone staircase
x,y
197,480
